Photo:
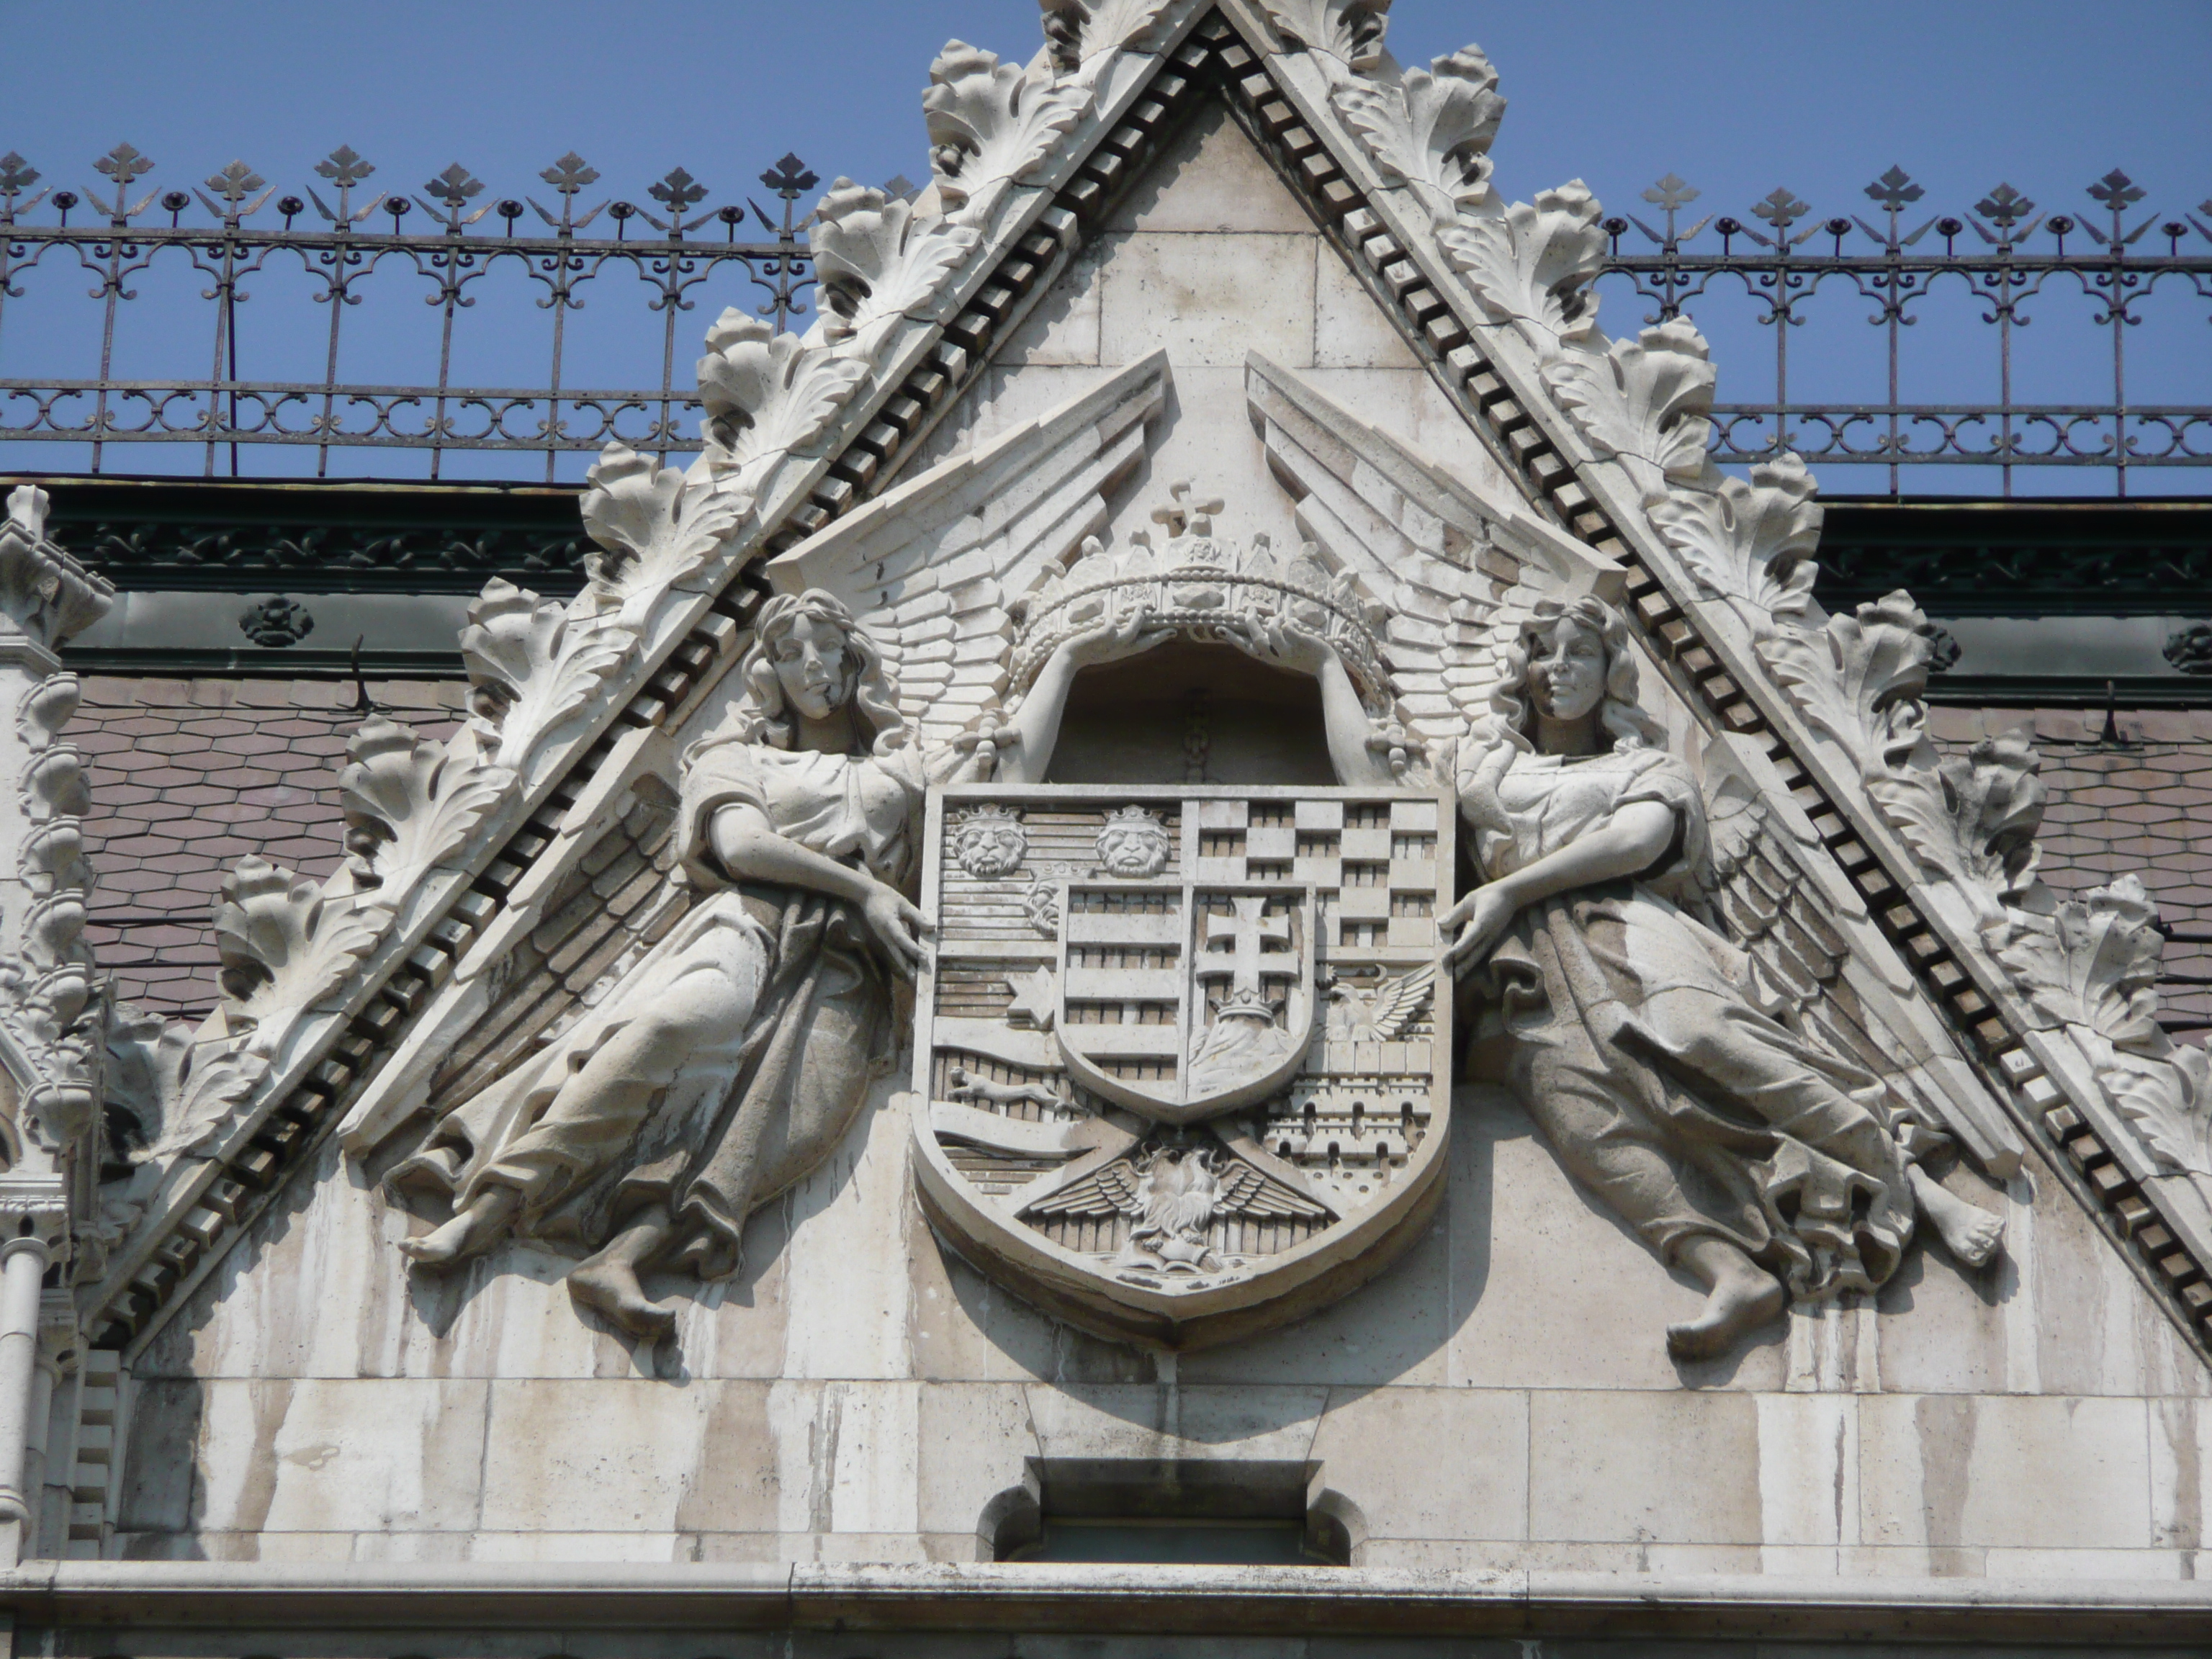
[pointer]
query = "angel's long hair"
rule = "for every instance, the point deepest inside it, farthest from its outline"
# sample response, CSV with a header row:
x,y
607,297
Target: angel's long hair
x,y
1620,715
760,714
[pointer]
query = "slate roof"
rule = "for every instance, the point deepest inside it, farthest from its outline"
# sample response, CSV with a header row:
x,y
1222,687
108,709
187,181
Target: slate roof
x,y
187,777
2140,805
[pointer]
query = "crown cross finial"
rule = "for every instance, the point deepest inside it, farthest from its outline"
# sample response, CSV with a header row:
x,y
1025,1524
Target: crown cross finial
x,y
1182,516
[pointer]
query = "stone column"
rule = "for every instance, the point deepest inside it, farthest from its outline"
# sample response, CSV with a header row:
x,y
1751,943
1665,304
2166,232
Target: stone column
x,y
22,1273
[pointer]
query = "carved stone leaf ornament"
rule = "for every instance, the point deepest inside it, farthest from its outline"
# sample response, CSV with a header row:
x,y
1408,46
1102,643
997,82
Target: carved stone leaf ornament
x,y
1533,262
1644,402
2091,966
766,393
1349,31
653,529
990,124
1079,34
1750,544
1994,802
1860,679
2094,962
879,260
207,1089
1431,129
44,592
532,665
409,804
284,946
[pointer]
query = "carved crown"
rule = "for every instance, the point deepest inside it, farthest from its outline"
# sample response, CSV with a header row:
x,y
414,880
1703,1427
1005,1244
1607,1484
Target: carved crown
x,y
1204,587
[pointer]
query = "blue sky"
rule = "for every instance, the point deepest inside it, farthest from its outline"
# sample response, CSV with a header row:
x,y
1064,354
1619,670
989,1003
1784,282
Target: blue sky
x,y
1736,97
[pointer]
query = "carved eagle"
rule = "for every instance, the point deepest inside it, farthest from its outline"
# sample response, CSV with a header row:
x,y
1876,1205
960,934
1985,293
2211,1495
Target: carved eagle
x,y
1175,1193
1382,1014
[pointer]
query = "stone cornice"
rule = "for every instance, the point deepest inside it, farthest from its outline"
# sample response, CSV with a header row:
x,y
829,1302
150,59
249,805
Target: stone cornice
x,y
515,1597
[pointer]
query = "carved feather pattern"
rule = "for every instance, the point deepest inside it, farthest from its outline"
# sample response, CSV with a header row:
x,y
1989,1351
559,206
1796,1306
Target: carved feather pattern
x,y
1247,1191
1109,1190
619,899
934,568
1801,967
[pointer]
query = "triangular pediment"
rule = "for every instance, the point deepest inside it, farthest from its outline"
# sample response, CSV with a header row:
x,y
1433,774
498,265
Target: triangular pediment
x,y
1236,245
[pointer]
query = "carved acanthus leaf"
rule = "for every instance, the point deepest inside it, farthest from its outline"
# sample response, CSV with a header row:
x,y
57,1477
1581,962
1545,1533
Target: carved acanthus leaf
x,y
990,124
44,592
532,665
766,394
1349,31
48,1007
48,705
2169,1101
284,948
653,528
1644,402
1078,32
1750,542
1994,802
875,261
1431,130
1533,262
2091,966
2094,962
208,1090
409,805
1860,679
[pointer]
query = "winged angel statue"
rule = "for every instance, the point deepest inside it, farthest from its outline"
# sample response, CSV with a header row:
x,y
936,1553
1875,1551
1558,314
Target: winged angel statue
x,y
1658,970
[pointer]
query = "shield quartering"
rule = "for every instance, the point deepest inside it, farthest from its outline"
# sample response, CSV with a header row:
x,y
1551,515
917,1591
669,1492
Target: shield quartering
x,y
1182,1069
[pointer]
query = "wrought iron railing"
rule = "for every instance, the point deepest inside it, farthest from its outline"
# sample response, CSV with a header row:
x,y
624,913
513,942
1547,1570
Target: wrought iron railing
x,y
2013,264
2003,254
337,245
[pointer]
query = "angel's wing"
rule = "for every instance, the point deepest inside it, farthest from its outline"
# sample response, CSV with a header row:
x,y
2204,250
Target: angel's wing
x,y
617,902
1109,1190
1398,1002
1454,571
1818,963
1246,1190
932,568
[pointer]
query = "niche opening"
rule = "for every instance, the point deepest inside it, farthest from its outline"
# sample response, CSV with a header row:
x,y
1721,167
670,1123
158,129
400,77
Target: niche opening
x,y
1172,1511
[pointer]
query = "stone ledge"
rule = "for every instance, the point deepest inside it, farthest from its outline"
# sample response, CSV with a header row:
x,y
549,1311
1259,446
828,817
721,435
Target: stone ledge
x,y
1223,1601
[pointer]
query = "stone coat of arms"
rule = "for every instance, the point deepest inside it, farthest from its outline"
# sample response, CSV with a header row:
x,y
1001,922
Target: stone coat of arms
x,y
1181,1068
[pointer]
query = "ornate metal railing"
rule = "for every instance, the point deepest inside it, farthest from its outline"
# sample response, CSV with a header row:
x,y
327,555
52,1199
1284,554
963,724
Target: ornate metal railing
x,y
340,248
2010,255
2015,265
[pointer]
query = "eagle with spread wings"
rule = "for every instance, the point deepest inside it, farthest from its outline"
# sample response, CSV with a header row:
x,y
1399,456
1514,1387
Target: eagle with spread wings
x,y
1173,1194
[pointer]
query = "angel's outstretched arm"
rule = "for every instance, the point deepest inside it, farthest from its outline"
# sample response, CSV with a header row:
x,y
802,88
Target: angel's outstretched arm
x,y
1355,750
1029,735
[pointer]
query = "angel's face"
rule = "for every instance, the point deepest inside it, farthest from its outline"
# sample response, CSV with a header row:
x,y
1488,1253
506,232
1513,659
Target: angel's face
x,y
815,665
1566,670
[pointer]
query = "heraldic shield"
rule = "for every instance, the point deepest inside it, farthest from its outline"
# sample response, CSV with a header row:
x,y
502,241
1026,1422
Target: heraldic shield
x,y
1182,1071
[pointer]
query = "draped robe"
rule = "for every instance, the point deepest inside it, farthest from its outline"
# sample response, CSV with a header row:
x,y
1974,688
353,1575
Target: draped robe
x,y
1625,1026
757,1023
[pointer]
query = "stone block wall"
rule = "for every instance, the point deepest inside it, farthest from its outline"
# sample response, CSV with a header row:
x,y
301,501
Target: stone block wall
x,y
1499,1399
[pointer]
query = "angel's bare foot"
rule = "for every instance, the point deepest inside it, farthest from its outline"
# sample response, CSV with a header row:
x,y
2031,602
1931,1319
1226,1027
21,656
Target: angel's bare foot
x,y
612,1287
608,1281
1743,1297
472,1230
1971,1233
